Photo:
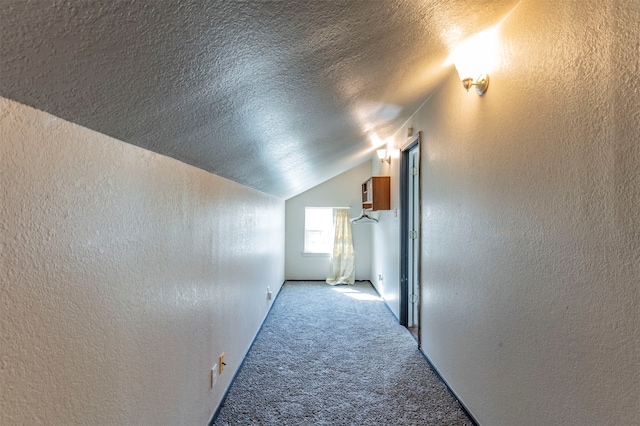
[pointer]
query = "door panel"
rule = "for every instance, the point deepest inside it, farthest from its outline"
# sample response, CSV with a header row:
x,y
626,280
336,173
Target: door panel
x,y
413,249
410,238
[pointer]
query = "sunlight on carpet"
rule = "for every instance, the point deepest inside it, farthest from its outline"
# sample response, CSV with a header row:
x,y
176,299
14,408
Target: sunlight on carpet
x,y
355,294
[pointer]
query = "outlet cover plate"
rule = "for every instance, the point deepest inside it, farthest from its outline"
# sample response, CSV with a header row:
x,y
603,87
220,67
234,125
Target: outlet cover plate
x,y
214,375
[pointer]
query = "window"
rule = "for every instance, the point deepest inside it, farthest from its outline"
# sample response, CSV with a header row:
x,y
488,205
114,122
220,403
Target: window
x,y
318,229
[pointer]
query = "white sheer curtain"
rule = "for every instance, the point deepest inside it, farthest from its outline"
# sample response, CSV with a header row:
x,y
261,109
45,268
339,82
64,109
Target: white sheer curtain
x,y
342,268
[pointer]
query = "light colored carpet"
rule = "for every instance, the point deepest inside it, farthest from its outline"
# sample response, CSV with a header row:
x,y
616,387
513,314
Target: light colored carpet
x,y
336,356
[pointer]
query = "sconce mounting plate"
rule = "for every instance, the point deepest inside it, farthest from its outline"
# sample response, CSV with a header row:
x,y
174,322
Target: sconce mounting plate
x,y
482,84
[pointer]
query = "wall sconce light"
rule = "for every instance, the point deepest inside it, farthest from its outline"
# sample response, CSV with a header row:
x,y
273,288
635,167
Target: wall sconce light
x,y
481,83
475,57
382,155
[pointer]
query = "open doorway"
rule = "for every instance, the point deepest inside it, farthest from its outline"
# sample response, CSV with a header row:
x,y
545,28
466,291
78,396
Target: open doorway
x,y
410,237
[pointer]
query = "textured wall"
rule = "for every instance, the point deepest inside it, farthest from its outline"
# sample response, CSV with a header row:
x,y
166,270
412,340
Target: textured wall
x,y
531,305
342,191
385,238
124,275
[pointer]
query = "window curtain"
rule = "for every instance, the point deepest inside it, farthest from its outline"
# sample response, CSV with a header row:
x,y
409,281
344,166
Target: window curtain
x,y
342,267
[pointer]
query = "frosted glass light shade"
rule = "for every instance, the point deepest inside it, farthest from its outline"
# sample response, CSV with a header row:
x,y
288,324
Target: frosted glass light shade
x,y
382,155
475,57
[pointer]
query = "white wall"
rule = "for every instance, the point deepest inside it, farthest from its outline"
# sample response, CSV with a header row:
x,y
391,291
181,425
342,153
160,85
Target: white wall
x,y
124,275
531,231
385,237
342,191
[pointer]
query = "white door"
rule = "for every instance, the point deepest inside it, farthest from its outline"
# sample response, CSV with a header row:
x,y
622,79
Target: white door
x,y
413,241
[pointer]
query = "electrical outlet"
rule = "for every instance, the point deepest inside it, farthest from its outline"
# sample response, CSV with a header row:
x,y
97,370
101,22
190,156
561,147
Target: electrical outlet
x,y
214,375
221,363
269,294
379,277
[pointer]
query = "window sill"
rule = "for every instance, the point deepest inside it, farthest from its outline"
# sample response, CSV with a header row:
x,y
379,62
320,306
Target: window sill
x,y
305,254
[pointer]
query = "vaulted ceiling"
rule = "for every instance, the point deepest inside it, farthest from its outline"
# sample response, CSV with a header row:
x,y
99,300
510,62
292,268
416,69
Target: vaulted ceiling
x,y
279,95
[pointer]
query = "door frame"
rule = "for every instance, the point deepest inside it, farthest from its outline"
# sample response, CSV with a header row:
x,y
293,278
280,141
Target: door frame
x,y
404,233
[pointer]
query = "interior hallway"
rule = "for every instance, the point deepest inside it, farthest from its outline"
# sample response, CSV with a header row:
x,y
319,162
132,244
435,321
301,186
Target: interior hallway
x,y
125,272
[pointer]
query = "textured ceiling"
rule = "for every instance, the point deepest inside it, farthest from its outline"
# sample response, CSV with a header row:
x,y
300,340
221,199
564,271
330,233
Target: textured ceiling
x,y
278,95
